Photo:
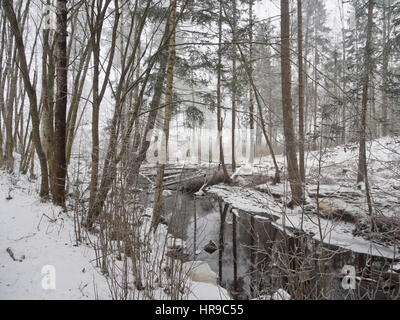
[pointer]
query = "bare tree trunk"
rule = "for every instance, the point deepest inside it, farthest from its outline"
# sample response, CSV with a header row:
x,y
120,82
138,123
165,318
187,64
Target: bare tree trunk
x,y
2,49
363,121
344,76
7,77
251,94
151,119
315,94
112,159
305,72
77,90
10,14
11,100
234,84
362,165
301,89
60,163
223,209
96,32
167,117
234,252
48,130
290,142
219,98
386,37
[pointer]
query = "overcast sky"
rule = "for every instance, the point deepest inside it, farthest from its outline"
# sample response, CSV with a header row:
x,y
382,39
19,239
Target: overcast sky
x,y
271,8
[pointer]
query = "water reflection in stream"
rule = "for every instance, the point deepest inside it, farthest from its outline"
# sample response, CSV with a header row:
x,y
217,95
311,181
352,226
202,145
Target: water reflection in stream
x,y
255,258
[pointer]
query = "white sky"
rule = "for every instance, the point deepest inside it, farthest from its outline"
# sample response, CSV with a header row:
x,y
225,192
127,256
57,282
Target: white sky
x,y
271,8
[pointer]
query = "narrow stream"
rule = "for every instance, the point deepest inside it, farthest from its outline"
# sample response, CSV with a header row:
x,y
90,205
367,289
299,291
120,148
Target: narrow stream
x,y
261,252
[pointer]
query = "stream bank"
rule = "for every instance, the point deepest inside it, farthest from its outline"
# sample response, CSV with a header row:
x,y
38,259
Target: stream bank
x,y
259,251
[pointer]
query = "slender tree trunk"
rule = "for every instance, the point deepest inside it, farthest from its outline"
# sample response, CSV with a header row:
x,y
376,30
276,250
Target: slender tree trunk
x,y
136,139
2,49
96,28
301,89
60,163
223,209
11,100
305,72
234,84
5,101
234,252
96,38
362,166
10,14
219,97
315,95
251,94
151,119
76,98
48,130
290,142
386,23
344,73
167,118
112,158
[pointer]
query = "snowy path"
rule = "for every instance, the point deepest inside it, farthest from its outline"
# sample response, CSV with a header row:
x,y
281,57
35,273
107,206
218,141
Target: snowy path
x,y
29,233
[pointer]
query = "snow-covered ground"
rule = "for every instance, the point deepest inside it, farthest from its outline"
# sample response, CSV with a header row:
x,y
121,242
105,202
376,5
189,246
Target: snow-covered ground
x,y
48,264
338,192
39,257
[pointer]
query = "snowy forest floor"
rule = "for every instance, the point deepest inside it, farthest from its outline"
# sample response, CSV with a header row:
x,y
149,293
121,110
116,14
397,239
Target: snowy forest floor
x,y
41,237
40,258
38,238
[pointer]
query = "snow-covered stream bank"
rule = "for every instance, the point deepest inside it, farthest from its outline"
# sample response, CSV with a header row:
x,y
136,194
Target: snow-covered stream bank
x,y
342,211
254,244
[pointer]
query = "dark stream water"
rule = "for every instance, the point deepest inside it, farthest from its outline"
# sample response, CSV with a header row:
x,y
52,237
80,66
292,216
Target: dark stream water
x,y
253,256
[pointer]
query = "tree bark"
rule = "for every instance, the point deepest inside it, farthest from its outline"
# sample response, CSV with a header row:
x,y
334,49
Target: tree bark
x,y
290,142
10,14
11,100
48,117
251,93
60,163
386,32
362,160
362,165
234,84
301,89
219,97
151,119
96,31
167,118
